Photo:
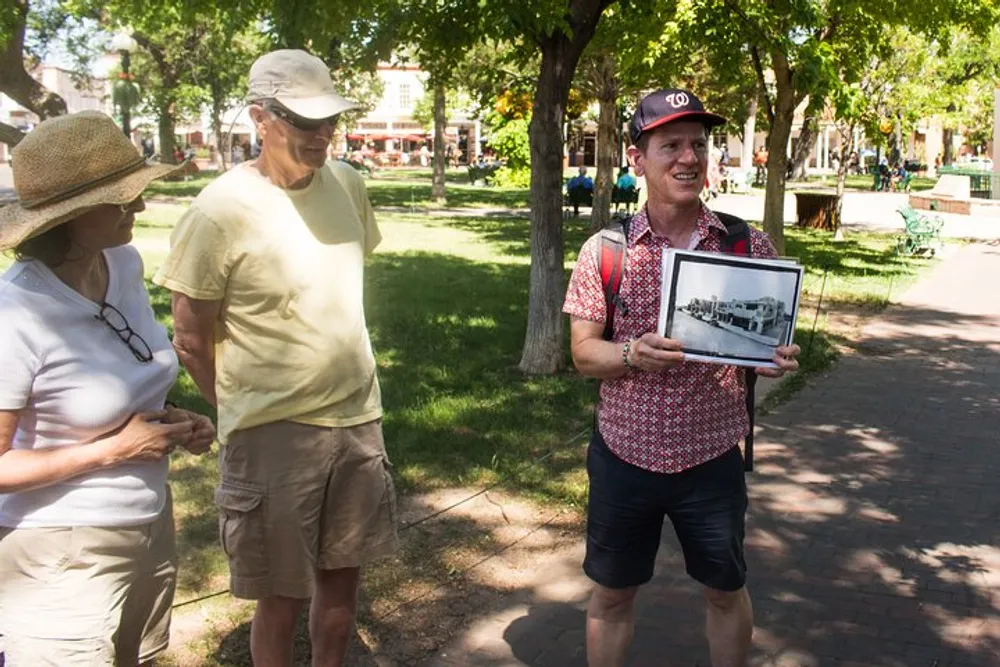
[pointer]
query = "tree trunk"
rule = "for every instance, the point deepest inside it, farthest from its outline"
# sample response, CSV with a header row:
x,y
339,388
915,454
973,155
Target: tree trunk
x,y
220,154
10,135
818,210
165,126
543,344
440,120
847,136
544,350
947,136
777,158
606,137
897,136
15,81
749,130
803,147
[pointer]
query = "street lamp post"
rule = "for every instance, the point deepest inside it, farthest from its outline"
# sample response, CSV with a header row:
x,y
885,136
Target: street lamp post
x,y
124,93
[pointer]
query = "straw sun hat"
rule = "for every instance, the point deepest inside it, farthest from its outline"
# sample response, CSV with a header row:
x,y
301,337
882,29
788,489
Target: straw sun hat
x,y
68,165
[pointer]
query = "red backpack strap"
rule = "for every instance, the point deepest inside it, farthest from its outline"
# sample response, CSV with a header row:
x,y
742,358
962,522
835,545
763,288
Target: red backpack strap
x,y
737,238
611,263
737,242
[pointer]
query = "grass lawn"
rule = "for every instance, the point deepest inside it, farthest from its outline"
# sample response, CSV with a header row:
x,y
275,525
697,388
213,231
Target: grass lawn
x,y
864,182
400,187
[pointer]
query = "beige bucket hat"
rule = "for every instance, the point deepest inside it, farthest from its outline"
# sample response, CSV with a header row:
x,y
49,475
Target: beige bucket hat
x,y
68,165
298,81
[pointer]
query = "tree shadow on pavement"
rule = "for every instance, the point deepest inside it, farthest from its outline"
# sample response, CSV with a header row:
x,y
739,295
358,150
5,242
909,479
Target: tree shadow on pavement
x,y
872,534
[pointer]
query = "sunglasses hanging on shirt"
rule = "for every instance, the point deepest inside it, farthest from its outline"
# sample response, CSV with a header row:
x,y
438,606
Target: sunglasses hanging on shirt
x,y
113,317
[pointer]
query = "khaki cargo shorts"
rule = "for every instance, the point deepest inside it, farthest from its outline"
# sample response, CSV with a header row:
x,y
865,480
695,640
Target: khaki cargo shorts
x,y
86,596
295,498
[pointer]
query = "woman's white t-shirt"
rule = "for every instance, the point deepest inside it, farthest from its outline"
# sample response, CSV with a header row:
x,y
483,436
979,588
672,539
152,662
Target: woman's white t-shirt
x,y
74,380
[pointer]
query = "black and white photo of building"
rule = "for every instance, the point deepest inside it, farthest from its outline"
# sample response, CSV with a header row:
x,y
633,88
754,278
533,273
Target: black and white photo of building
x,y
728,309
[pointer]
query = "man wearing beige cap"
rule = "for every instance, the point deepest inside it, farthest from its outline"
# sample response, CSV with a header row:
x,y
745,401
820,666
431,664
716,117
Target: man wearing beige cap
x,y
266,269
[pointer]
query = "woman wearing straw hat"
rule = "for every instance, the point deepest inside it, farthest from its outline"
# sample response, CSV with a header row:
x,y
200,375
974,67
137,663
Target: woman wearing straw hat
x,y
87,558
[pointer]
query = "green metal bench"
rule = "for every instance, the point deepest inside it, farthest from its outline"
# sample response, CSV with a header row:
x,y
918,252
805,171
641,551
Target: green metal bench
x,y
980,182
923,233
626,196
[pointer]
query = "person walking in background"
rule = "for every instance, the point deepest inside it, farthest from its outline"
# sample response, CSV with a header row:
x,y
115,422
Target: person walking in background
x,y
760,165
266,269
87,558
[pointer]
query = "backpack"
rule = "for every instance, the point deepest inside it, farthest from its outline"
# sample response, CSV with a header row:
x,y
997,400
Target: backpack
x,y
611,263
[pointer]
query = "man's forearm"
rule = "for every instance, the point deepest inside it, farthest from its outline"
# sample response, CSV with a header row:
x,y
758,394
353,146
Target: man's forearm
x,y
200,365
600,359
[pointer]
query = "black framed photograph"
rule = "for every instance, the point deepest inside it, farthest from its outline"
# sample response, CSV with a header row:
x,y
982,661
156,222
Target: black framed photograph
x,y
729,309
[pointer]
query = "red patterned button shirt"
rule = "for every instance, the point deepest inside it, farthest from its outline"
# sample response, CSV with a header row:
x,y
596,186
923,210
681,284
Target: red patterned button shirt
x,y
676,419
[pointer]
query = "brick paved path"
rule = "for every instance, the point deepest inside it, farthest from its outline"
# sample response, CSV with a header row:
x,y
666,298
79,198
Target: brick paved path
x,y
874,536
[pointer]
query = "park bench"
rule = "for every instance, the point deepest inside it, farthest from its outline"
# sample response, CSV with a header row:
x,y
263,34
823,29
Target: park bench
x,y
483,172
904,185
923,233
626,196
577,197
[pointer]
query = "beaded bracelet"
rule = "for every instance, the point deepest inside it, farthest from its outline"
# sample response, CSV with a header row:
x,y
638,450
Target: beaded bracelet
x,y
626,353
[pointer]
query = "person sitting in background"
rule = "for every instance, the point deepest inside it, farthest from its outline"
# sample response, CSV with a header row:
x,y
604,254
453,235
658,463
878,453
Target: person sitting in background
x,y
898,180
624,190
87,558
580,190
626,180
581,180
885,176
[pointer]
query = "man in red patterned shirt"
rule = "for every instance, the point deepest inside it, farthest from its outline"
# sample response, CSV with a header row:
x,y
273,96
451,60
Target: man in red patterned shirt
x,y
668,430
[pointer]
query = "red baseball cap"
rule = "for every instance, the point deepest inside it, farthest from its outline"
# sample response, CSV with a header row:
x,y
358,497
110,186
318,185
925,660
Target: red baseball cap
x,y
666,106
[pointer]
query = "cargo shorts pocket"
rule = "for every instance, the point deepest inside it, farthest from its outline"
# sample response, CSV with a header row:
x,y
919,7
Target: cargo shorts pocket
x,y
242,526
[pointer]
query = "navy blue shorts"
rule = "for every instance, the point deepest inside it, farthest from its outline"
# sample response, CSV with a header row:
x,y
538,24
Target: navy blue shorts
x,y
706,504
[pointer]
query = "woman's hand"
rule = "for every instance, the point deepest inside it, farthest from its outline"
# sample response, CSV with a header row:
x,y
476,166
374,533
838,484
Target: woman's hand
x,y
203,433
147,436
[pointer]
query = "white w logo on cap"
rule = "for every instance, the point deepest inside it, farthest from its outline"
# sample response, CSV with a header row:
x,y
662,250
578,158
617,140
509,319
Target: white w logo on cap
x,y
677,100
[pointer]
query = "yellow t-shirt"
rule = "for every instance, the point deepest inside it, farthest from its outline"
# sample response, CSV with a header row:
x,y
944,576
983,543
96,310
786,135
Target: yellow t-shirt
x,y
288,265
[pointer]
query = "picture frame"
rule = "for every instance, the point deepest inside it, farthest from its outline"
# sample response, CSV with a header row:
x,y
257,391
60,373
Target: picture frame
x,y
729,309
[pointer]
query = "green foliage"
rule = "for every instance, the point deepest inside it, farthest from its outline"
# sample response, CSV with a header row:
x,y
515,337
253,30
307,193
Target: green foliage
x,y
512,144
491,68
10,17
506,177
455,102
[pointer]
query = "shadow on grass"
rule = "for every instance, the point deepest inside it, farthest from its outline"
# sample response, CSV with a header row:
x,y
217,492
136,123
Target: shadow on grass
x,y
448,334
512,235
870,256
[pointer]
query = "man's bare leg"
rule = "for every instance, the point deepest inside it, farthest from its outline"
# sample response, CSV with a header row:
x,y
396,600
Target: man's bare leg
x,y
610,625
331,616
729,626
273,630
